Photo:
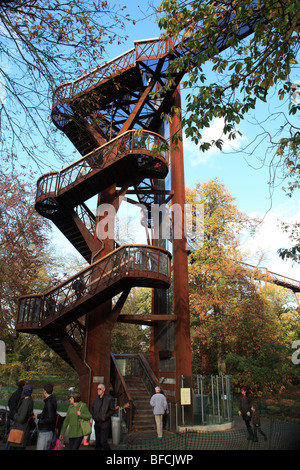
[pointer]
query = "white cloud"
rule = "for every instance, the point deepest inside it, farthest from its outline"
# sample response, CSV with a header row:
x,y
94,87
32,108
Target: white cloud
x,y
214,132
268,240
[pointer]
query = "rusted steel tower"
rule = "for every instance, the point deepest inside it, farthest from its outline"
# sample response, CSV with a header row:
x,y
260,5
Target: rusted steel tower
x,y
115,122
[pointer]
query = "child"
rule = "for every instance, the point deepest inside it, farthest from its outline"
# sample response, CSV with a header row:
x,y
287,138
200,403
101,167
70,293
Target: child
x,y
256,423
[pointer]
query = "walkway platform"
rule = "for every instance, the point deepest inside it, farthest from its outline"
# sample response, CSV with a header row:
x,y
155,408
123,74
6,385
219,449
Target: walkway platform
x,y
280,436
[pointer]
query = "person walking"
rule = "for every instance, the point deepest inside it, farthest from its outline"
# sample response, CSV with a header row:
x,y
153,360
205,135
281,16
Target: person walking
x,y
245,410
159,405
102,410
13,402
77,411
255,416
22,417
46,419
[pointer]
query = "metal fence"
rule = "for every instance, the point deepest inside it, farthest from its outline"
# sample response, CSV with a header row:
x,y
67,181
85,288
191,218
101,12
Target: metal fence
x,y
211,400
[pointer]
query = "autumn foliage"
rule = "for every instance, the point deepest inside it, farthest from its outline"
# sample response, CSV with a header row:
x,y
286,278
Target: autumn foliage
x,y
27,265
234,327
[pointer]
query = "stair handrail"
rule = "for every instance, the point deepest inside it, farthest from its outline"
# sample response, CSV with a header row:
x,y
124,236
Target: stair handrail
x,y
149,371
42,309
144,365
122,394
54,182
143,50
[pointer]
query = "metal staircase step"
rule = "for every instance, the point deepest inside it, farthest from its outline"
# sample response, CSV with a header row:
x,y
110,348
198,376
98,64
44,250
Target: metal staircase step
x,y
142,411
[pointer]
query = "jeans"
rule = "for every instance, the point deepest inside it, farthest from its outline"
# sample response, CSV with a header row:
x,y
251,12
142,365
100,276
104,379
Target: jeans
x,y
44,440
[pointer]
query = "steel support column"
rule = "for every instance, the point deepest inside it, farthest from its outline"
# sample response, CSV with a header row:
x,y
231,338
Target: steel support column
x,y
100,321
183,356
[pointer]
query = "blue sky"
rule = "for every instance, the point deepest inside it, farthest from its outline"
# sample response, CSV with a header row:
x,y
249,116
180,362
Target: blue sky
x,y
239,167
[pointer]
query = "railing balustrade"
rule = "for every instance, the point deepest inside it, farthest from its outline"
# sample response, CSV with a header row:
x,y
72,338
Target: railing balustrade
x,y
122,394
134,260
133,365
263,273
51,184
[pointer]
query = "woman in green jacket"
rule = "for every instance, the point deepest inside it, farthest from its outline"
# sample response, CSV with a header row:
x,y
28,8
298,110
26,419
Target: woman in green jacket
x,y
76,411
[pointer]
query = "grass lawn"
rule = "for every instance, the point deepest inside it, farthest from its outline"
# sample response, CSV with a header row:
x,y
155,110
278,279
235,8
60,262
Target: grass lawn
x,y
61,392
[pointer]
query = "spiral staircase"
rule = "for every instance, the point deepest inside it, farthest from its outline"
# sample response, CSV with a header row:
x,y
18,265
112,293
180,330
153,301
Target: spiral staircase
x,y
113,117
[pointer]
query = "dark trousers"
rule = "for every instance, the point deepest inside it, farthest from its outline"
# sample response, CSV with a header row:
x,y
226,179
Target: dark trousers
x,y
247,420
102,432
7,445
258,429
74,442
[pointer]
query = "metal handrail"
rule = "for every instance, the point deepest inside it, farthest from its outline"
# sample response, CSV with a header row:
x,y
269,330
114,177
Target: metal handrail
x,y
52,184
136,365
265,274
143,50
91,79
143,370
129,260
124,399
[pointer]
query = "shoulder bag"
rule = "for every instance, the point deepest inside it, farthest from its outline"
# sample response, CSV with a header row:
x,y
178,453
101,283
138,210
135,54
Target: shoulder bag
x,y
85,426
16,436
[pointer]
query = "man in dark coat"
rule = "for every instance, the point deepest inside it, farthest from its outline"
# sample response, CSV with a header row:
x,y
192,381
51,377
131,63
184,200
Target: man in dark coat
x,y
15,398
46,419
102,410
22,417
13,405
